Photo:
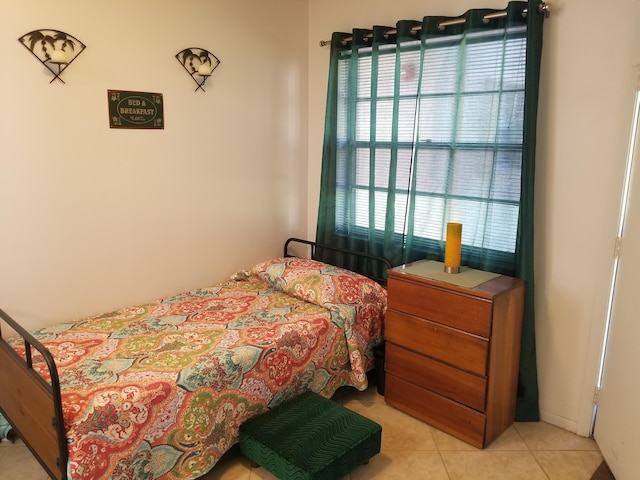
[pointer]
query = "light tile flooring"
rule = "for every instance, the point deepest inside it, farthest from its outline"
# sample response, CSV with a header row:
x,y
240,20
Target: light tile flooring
x,y
410,450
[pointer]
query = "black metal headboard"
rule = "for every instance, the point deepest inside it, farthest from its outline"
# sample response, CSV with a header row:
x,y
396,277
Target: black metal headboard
x,y
383,261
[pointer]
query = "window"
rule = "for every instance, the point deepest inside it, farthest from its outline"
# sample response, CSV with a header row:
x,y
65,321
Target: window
x,y
433,133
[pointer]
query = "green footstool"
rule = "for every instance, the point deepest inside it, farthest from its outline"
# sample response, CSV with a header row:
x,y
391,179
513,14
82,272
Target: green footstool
x,y
310,438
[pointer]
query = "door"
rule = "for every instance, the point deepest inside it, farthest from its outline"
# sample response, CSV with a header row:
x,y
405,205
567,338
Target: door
x,y
617,425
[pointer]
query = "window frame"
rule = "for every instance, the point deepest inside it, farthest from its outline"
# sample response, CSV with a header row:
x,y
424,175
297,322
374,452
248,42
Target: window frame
x,y
346,221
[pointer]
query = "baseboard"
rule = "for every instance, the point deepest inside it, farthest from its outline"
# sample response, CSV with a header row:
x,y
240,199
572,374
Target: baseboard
x,y
558,421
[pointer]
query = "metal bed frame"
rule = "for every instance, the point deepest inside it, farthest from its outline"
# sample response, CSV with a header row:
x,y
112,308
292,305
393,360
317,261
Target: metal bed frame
x,y
314,246
33,405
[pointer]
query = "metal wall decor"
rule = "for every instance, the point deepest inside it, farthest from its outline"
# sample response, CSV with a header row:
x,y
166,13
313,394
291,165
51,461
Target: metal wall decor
x,y
199,63
53,48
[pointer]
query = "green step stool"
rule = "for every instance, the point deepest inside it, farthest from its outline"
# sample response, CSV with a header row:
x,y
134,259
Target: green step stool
x,y
310,438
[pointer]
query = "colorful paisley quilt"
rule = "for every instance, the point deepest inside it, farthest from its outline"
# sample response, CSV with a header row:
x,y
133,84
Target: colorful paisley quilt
x,y
160,390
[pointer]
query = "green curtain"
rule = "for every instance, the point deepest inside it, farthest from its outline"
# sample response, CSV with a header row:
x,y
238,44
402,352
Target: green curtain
x,y
428,124
527,406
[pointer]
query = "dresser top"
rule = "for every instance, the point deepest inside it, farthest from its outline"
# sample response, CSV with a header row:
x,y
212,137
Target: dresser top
x,y
476,282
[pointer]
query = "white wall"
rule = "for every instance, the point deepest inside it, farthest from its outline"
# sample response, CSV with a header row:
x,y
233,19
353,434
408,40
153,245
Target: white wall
x,y
95,218
590,80
585,108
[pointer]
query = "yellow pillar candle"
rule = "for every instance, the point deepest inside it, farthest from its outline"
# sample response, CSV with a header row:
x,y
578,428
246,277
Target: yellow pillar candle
x,y
453,247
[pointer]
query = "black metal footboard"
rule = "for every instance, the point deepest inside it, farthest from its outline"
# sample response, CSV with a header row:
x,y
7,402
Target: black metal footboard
x,y
31,404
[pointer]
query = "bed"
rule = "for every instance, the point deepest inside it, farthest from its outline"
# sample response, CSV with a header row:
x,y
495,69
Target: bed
x,y
159,390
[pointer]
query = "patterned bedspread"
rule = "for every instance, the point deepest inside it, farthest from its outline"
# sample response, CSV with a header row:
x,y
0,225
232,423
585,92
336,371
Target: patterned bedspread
x,y
160,390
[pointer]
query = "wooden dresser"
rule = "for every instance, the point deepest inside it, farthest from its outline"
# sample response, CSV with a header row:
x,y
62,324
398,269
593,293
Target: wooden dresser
x,y
452,352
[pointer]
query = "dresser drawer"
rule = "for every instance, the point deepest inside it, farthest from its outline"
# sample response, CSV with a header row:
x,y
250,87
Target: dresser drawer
x,y
448,381
457,310
451,417
449,345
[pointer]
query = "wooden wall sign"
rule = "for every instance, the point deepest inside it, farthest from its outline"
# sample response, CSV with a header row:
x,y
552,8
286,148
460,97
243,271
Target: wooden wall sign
x,y
135,109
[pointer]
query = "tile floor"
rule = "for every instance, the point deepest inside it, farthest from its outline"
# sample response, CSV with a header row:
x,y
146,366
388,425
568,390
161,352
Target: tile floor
x,y
411,450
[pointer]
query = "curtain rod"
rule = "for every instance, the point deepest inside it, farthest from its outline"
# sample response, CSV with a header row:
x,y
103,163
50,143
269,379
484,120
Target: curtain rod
x,y
543,8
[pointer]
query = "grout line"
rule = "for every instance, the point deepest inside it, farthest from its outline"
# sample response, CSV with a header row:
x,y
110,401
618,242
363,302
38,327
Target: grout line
x,y
531,452
444,464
